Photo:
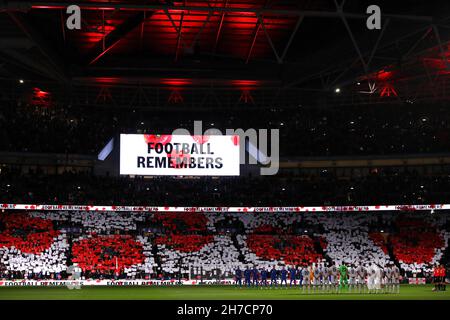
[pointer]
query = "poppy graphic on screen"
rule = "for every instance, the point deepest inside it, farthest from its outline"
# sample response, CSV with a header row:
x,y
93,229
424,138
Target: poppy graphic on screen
x,y
201,139
179,159
235,140
158,138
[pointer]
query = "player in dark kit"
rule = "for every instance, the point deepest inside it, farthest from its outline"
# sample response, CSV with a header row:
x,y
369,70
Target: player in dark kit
x,y
292,276
263,277
255,275
284,274
247,276
238,276
273,276
300,276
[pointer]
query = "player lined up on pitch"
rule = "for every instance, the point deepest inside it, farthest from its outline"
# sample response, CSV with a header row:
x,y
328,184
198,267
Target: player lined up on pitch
x,y
323,278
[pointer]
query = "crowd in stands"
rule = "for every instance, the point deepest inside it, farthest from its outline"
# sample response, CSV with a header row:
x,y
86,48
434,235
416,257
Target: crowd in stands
x,y
348,239
31,246
294,250
385,186
41,245
107,253
212,245
304,131
414,242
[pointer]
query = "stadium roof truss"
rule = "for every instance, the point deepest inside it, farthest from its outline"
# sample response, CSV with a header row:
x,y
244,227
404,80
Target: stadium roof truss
x,y
226,53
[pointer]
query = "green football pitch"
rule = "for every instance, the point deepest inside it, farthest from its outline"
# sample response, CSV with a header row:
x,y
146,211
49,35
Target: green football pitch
x,y
407,292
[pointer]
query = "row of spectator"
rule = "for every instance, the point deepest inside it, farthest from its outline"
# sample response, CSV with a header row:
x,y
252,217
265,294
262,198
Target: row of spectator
x,y
387,186
304,131
124,247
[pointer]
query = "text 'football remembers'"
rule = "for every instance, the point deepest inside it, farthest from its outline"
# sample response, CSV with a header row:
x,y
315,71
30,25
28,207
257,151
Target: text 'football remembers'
x,y
180,155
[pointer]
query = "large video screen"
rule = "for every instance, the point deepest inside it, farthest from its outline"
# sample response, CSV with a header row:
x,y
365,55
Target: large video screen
x,y
179,155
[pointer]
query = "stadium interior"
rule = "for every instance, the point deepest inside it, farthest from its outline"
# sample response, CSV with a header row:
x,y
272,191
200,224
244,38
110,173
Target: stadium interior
x,y
363,119
196,246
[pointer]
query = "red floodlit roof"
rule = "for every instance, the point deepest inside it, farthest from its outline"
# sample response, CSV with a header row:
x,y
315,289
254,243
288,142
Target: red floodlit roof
x,y
244,45
233,34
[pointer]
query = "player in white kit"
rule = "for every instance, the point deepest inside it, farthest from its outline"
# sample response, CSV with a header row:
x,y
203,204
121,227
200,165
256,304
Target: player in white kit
x,y
388,279
316,281
326,277
322,277
334,278
361,274
352,274
396,279
305,279
382,279
371,274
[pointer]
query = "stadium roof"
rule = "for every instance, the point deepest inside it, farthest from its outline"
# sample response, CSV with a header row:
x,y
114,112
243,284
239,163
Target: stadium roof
x,y
265,51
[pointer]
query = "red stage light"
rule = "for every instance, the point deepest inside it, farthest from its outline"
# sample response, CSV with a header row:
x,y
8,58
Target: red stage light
x,y
39,93
383,75
176,82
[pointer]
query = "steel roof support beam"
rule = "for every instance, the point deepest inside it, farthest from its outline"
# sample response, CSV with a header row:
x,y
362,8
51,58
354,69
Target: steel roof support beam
x,y
385,58
291,38
256,31
255,35
174,25
114,37
372,54
55,64
441,47
13,57
343,73
355,44
20,5
219,29
432,80
197,36
261,21
16,43
180,27
375,48
410,51
141,32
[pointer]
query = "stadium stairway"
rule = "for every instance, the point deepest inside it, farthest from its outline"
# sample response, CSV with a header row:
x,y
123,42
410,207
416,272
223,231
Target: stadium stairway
x,y
319,249
241,256
390,250
445,260
69,252
156,255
